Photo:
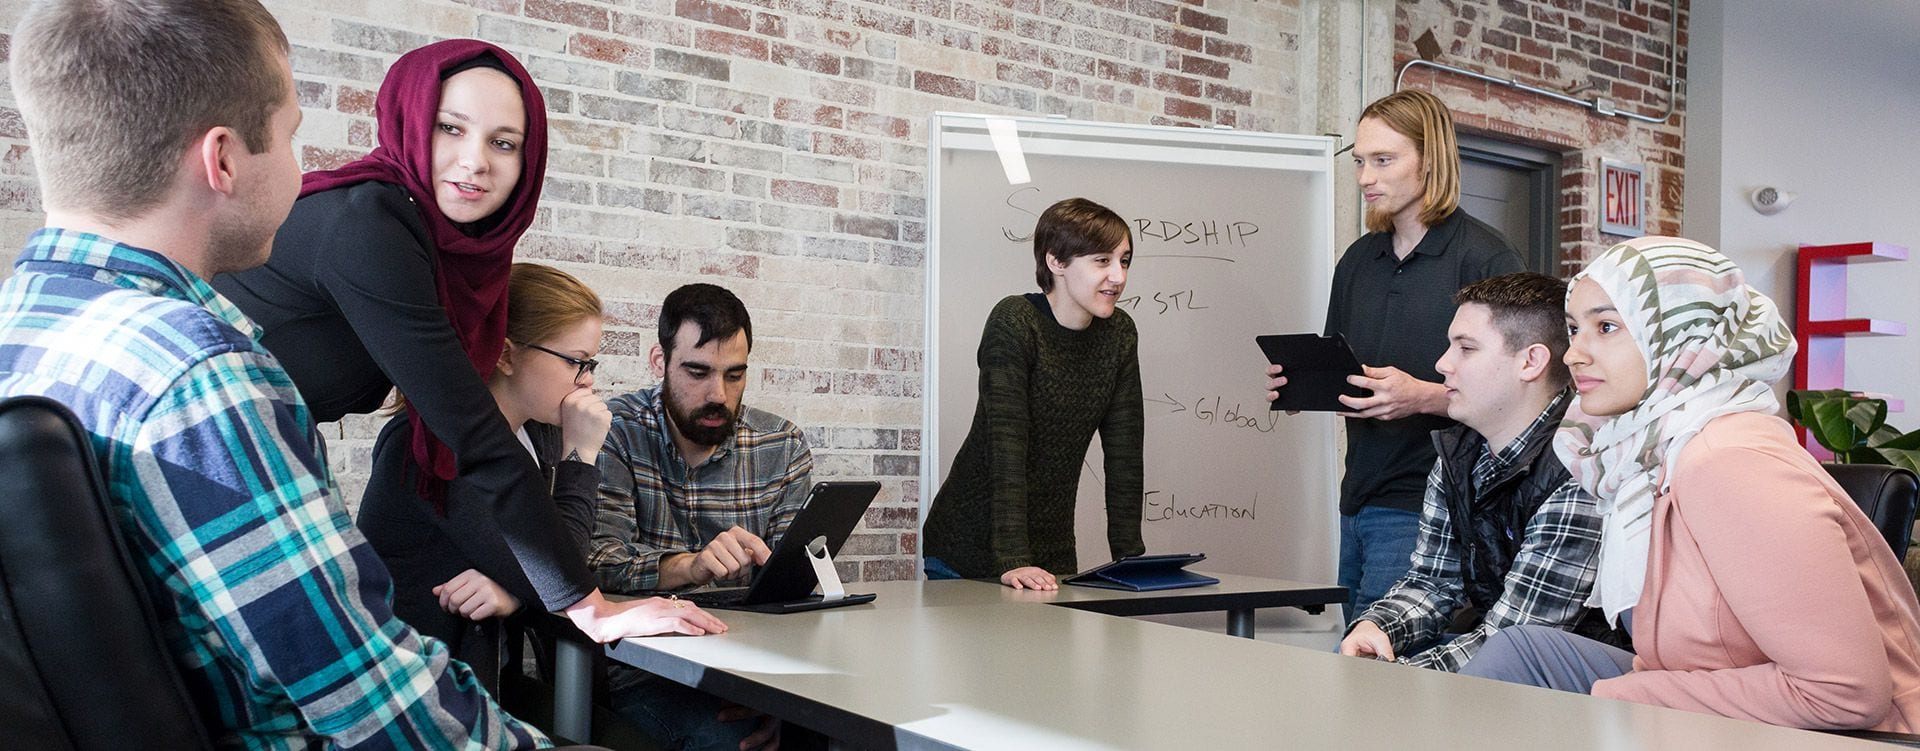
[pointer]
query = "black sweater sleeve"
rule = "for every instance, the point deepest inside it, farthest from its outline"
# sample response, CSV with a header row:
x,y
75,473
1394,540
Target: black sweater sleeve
x,y
380,277
574,484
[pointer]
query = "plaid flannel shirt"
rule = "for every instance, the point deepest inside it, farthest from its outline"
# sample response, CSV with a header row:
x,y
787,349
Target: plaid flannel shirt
x,y
1552,573
651,504
273,605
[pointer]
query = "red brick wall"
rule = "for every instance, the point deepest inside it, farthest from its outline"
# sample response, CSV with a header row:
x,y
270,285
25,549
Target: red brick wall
x,y
1619,48
775,147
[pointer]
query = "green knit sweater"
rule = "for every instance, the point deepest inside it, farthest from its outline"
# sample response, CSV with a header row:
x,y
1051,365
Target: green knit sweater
x,y
1044,389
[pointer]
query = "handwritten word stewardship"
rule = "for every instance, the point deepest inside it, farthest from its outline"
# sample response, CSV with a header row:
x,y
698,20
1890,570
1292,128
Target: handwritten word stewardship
x,y
1198,232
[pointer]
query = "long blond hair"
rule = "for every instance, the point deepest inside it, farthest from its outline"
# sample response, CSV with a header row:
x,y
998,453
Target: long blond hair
x,y
1423,119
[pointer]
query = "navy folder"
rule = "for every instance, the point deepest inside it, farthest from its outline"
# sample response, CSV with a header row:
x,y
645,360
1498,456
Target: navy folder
x,y
1145,573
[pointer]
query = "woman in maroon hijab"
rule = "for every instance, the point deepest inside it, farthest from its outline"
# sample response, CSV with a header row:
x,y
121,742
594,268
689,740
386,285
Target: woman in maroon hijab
x,y
392,272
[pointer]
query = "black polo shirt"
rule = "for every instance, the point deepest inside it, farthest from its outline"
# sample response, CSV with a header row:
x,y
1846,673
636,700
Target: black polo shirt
x,y
1396,312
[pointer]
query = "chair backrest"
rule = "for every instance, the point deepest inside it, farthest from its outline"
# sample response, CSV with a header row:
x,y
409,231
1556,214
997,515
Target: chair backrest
x,y
1887,494
85,664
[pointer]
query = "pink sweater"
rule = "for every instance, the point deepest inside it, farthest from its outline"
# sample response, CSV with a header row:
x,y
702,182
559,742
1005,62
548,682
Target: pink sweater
x,y
1769,596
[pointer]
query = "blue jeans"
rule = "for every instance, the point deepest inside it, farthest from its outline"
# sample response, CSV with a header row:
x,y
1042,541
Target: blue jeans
x,y
680,718
938,569
1376,549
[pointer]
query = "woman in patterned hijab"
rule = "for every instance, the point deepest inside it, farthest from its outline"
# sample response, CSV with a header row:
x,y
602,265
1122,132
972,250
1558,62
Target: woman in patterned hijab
x,y
1709,345
1752,584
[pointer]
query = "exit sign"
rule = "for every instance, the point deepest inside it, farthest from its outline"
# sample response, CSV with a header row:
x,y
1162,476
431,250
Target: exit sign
x,y
1623,202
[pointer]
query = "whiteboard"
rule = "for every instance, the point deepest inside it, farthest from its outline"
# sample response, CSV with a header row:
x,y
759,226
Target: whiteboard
x,y
1233,238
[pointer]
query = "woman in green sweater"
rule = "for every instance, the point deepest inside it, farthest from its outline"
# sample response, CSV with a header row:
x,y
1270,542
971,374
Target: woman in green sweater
x,y
1054,368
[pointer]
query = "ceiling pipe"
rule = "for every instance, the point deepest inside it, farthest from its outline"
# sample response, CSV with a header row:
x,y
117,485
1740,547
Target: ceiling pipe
x,y
1598,104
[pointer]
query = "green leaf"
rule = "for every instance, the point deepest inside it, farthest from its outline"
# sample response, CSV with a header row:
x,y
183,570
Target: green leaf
x,y
1868,415
1908,442
1827,418
1908,458
1886,434
1797,396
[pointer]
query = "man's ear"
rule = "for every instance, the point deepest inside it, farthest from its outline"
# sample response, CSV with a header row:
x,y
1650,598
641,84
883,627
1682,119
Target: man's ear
x,y
1538,361
216,156
657,361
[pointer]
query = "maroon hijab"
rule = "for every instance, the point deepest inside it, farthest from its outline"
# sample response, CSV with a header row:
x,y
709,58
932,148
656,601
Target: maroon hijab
x,y
471,272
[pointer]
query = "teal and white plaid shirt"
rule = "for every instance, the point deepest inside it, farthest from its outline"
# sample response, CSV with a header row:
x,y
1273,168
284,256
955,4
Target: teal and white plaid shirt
x,y
276,610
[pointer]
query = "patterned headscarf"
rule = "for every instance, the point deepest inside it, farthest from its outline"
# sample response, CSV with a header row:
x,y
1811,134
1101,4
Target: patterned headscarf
x,y
1713,346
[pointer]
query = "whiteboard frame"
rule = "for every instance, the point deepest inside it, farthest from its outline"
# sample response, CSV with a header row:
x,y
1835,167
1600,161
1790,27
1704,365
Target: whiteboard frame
x,y
1064,137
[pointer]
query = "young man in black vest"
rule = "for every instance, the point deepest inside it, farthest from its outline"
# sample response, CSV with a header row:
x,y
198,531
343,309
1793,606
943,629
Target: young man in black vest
x,y
1506,536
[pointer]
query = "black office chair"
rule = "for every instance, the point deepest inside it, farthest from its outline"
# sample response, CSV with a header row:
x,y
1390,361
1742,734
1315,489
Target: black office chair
x,y
1887,494
79,643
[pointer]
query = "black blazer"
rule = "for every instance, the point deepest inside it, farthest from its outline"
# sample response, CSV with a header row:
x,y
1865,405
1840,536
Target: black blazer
x,y
350,309
423,549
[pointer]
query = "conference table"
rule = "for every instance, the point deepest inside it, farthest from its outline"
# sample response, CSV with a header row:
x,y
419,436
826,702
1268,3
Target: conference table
x,y
1236,595
972,665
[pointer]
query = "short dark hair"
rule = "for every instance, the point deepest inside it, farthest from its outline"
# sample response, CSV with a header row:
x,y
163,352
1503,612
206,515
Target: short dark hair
x,y
112,91
1528,309
1074,227
716,311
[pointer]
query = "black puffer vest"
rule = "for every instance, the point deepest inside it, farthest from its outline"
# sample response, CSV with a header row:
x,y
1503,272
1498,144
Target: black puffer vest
x,y
1489,523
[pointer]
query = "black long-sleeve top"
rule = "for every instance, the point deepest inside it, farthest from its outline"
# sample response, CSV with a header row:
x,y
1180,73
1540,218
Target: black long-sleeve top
x,y
424,550
350,309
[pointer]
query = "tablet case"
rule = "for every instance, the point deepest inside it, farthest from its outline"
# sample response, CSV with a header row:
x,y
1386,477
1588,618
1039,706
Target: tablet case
x,y
786,582
1316,369
1145,573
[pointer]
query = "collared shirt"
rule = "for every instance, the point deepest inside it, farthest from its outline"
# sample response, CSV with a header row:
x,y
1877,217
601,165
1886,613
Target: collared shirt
x,y
271,603
1395,312
1548,583
652,504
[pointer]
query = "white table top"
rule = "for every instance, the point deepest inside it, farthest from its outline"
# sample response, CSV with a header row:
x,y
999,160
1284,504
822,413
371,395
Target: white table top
x,y
1237,590
953,668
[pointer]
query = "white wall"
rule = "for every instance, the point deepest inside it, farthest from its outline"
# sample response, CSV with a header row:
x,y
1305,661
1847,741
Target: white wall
x,y
1822,100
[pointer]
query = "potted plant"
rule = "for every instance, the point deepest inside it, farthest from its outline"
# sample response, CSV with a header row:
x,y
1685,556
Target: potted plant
x,y
1854,427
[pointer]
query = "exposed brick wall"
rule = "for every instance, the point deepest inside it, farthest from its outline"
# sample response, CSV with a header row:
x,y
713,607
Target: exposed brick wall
x,y
1617,48
775,147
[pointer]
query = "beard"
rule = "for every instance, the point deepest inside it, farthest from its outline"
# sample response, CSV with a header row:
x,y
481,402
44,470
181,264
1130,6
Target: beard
x,y
687,420
1379,220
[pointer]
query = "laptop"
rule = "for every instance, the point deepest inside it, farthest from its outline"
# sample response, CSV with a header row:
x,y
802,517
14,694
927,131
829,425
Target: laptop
x,y
786,583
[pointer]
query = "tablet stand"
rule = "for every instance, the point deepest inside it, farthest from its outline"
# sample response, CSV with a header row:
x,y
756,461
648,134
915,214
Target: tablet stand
x,y
830,587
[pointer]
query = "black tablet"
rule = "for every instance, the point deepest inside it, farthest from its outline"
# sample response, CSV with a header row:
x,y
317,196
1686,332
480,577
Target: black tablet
x,y
1316,368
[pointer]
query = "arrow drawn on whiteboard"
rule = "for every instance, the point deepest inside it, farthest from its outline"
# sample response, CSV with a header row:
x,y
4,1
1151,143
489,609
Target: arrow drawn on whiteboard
x,y
1171,402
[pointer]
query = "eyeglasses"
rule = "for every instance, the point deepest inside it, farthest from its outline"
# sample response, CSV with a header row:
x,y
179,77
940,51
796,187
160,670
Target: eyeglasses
x,y
585,366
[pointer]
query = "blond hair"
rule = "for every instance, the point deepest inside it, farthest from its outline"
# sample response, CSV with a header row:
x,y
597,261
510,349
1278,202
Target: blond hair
x,y
112,90
1423,119
543,301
